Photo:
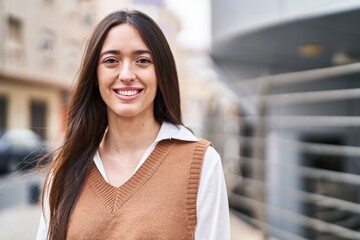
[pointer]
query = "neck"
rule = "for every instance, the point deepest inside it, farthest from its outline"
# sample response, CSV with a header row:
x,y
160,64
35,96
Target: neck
x,y
130,134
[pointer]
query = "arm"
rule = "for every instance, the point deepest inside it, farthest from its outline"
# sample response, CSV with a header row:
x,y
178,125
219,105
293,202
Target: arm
x,y
213,222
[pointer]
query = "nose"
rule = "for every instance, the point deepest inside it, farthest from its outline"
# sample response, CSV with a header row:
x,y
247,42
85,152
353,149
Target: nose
x,y
126,73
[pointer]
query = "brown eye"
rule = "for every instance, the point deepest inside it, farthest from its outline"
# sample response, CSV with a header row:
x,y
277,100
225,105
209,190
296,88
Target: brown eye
x,y
110,60
143,61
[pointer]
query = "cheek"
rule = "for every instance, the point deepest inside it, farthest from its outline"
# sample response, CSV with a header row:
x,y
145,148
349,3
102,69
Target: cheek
x,y
103,85
103,78
154,80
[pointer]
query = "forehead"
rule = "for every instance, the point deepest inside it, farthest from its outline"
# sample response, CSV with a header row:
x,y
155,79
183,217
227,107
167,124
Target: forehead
x,y
124,36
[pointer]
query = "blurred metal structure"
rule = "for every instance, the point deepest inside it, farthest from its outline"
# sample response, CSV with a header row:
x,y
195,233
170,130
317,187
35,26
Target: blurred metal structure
x,y
292,154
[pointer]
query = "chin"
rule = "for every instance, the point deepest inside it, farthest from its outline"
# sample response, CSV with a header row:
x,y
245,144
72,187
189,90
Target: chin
x,y
129,113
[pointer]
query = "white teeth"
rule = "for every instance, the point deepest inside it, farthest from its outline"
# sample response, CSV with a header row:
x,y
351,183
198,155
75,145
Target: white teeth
x,y
128,93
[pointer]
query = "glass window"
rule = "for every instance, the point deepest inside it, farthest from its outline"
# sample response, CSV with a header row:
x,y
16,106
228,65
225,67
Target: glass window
x,y
14,51
3,113
14,32
47,44
38,112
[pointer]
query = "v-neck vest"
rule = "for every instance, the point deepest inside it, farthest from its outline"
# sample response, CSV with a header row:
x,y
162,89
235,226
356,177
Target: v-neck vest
x,y
157,202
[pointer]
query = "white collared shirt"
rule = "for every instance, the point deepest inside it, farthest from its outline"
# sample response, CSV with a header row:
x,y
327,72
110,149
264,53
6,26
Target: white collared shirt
x,y
213,221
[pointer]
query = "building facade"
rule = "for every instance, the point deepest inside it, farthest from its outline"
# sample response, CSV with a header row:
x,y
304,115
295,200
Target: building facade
x,y
41,46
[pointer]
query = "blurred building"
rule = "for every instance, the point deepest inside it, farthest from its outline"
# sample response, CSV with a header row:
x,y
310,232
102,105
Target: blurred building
x,y
292,156
41,45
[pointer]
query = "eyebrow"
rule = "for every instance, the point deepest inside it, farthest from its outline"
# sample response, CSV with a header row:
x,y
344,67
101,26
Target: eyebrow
x,y
117,52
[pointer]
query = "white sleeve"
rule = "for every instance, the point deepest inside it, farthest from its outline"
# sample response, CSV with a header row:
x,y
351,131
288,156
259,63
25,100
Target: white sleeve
x,y
44,220
213,221
43,228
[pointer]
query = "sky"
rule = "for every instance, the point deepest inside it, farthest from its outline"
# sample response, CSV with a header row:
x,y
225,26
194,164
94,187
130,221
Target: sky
x,y
194,16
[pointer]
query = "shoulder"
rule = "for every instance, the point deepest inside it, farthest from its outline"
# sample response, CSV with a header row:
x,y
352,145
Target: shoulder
x,y
212,154
186,137
212,159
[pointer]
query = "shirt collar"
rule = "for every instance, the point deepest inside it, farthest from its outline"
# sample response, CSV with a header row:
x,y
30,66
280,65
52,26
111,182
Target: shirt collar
x,y
172,131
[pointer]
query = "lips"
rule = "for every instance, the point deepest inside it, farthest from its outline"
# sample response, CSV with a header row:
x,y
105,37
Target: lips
x,y
127,93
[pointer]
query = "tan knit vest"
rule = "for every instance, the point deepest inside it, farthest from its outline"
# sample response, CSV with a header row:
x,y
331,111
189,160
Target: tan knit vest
x,y
157,202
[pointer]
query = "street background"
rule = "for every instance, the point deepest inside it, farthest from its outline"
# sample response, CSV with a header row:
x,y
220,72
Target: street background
x,y
273,84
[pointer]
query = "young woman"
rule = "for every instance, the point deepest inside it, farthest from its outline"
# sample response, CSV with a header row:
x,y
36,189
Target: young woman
x,y
128,168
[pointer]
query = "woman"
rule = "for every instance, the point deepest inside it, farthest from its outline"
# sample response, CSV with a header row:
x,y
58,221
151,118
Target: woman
x,y
128,168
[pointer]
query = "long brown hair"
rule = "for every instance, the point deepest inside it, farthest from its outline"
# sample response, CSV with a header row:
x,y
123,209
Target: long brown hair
x,y
87,119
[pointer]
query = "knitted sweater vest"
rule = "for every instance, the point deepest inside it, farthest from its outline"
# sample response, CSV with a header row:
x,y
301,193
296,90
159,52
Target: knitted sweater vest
x,y
157,202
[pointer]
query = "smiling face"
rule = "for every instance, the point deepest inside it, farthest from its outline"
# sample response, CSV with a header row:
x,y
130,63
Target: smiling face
x,y
126,74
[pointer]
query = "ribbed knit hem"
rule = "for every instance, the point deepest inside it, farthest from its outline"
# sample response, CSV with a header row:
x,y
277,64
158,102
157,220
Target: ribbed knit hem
x,y
193,183
115,197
